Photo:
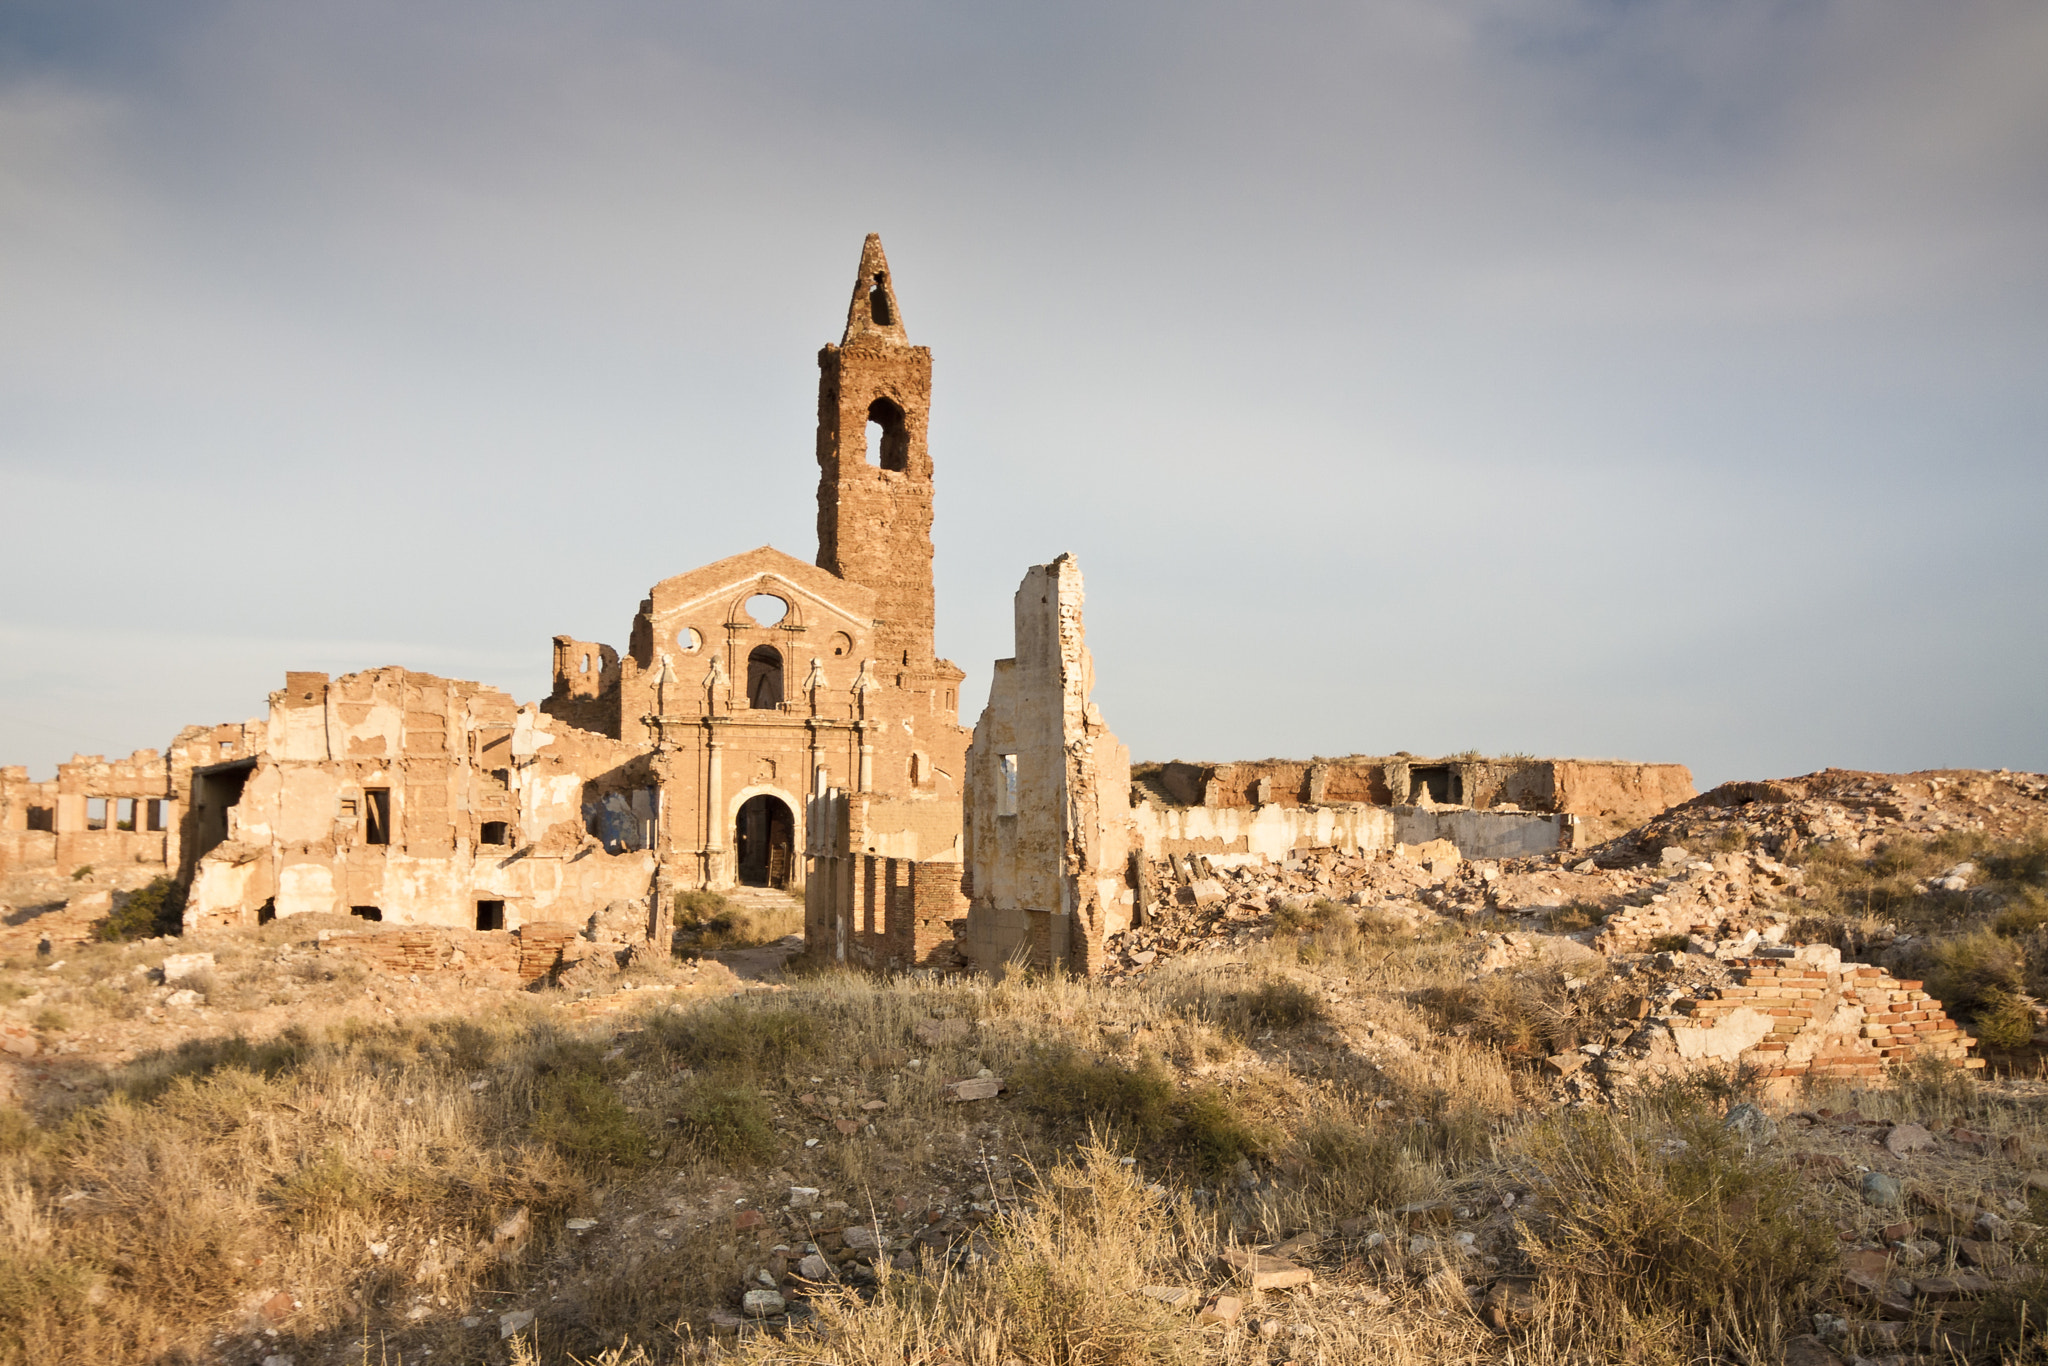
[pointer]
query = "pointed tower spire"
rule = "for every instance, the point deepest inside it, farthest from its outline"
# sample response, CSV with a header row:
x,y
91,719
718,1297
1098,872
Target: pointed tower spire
x,y
873,313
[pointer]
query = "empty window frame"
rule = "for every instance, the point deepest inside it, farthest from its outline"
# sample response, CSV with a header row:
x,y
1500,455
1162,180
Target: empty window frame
x,y
490,915
888,436
764,677
493,832
95,813
366,912
376,815
1006,786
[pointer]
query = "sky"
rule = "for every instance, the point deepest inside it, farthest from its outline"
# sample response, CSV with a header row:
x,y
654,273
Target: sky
x,y
1653,379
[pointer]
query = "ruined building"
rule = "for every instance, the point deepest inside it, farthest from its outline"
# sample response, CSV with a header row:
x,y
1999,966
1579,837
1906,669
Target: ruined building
x,y
1063,845
764,711
770,722
1049,830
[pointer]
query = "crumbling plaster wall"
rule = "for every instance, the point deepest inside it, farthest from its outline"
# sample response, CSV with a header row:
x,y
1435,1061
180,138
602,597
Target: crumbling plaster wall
x,y
1233,835
379,790
1049,831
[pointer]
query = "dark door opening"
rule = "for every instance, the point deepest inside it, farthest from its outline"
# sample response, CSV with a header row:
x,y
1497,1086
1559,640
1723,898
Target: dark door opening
x,y
765,837
1445,785
214,790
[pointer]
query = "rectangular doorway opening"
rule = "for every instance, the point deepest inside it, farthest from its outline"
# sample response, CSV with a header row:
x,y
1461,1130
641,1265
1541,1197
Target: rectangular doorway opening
x,y
490,915
376,815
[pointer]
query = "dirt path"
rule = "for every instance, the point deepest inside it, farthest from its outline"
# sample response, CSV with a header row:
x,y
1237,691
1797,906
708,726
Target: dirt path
x,y
762,964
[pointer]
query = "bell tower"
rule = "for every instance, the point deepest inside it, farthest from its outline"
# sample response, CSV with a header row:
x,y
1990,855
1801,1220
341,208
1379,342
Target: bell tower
x,y
874,472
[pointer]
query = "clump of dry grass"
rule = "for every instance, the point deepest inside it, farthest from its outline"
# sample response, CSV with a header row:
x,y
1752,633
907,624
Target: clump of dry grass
x,y
1658,1237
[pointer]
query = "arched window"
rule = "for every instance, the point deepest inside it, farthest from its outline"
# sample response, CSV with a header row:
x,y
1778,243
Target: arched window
x,y
878,302
888,436
764,677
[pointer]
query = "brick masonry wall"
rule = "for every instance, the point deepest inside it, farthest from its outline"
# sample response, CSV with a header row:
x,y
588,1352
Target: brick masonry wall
x,y
1850,1021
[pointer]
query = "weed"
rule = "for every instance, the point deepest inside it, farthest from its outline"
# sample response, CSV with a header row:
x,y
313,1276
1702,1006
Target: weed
x,y
81,873
731,1037
1200,1128
52,1020
1575,915
726,1121
1670,943
583,1119
2025,913
2005,1019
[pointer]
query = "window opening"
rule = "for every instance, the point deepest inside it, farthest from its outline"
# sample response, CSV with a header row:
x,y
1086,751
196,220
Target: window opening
x,y
377,815
764,677
156,814
878,302
124,814
493,832
1006,787
367,912
490,915
766,609
95,813
586,663
1446,787
267,912
689,642
888,436
842,644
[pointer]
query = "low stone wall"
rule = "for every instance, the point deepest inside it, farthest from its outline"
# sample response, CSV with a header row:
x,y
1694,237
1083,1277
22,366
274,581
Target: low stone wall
x,y
528,953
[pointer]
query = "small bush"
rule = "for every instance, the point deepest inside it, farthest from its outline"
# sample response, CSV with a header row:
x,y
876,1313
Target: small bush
x,y
1276,1003
584,1120
1527,1015
2005,1020
1670,943
1575,915
323,1191
1662,1240
726,1121
1364,1166
736,1038
154,910
1972,971
52,1020
2025,913
1202,1128
81,873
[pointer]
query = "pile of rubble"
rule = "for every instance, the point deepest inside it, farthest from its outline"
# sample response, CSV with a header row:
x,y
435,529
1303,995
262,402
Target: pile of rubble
x,y
1859,810
1722,906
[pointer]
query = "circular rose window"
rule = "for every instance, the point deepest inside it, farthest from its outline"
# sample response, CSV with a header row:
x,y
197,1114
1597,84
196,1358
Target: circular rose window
x,y
689,641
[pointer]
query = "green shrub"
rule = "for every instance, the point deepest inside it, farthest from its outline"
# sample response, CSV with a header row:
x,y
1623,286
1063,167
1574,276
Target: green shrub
x,y
157,909
1970,971
2005,1020
1275,1003
323,1190
2025,913
1201,1129
52,1020
581,1117
725,1120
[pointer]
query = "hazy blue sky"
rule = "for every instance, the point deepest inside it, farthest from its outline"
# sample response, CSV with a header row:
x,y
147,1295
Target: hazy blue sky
x,y
1660,380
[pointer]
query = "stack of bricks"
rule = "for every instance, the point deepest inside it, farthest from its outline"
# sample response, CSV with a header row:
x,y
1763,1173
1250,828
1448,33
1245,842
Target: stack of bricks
x,y
1831,1019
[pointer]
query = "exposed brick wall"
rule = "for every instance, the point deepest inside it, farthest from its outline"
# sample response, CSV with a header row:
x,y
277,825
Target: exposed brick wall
x,y
530,953
902,912
1889,1023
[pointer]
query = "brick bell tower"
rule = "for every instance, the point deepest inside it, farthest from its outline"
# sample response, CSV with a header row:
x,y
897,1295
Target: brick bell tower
x,y
875,514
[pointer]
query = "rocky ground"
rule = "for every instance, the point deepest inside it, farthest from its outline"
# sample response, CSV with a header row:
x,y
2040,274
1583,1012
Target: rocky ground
x,y
1393,1044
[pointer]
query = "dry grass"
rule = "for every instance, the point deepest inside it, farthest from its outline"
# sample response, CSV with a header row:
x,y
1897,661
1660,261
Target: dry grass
x,y
1313,1079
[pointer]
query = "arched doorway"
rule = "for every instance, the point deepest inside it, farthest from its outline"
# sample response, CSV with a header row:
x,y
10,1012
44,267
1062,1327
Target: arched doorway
x,y
764,836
